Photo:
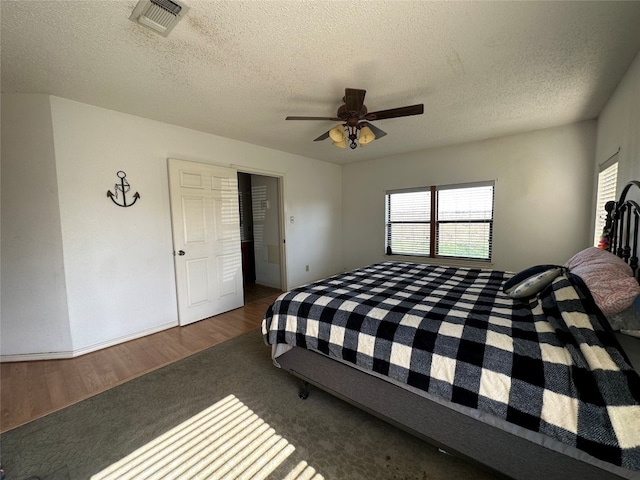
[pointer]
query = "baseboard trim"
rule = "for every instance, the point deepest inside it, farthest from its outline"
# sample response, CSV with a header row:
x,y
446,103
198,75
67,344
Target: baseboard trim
x,y
126,338
27,357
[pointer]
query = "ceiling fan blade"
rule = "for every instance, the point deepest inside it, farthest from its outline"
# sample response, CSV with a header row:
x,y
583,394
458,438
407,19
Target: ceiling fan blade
x,y
323,136
354,99
376,131
396,112
335,119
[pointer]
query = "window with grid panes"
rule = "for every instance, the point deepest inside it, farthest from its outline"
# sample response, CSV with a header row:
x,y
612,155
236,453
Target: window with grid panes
x,y
454,221
607,182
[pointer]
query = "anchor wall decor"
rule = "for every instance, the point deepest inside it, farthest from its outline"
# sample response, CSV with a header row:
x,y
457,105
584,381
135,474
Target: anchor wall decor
x,y
122,188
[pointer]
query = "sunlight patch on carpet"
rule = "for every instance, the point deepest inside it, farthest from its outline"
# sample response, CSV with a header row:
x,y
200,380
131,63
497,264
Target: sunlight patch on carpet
x,y
227,441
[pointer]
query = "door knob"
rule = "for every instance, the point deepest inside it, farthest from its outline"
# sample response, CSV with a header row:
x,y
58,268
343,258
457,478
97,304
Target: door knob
x,y
180,252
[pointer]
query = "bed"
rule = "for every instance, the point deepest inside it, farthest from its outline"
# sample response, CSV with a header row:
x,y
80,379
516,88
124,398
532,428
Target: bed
x,y
540,366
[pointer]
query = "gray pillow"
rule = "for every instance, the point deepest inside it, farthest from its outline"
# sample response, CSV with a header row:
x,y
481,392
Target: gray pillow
x,y
627,321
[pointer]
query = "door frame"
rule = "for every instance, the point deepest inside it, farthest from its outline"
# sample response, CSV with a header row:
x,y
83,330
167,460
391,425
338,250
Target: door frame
x,y
280,177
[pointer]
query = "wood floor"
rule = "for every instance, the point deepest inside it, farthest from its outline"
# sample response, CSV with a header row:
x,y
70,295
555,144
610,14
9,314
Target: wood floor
x,y
29,390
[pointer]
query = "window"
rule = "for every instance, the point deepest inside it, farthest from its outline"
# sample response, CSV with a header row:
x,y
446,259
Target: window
x,y
607,181
453,221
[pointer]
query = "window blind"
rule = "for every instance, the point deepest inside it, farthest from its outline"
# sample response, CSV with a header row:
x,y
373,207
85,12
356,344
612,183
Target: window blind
x,y
465,222
409,222
607,183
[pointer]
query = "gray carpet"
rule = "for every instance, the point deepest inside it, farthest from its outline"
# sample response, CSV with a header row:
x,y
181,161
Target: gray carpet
x,y
337,440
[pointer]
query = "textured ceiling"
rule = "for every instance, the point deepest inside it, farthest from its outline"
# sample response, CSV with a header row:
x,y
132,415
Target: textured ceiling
x,y
238,68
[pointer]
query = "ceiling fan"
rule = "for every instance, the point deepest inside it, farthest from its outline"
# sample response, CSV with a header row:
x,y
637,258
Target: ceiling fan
x,y
354,120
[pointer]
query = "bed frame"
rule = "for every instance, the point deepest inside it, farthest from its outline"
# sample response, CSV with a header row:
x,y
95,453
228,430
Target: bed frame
x,y
501,453
621,227
509,455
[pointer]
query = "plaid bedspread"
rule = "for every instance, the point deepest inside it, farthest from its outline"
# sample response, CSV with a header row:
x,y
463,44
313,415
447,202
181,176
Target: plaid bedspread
x,y
546,364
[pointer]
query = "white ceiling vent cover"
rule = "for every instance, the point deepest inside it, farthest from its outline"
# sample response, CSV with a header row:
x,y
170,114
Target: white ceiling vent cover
x,y
158,15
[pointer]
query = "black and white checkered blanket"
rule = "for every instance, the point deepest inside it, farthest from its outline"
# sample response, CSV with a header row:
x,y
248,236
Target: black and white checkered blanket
x,y
546,364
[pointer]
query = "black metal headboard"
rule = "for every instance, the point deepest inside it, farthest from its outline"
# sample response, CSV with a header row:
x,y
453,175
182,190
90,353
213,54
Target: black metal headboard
x,y
621,227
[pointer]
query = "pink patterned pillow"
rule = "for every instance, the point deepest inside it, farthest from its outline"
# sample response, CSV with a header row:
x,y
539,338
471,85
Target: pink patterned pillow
x,y
609,279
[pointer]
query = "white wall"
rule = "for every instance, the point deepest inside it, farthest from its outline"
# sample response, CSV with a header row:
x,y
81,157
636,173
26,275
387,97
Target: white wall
x,y
118,262
34,301
542,193
619,127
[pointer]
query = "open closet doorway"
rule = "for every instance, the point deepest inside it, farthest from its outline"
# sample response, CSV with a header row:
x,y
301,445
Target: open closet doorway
x,y
261,235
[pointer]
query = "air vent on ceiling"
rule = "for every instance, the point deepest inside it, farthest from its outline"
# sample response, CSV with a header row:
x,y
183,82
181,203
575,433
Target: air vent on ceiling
x,y
158,15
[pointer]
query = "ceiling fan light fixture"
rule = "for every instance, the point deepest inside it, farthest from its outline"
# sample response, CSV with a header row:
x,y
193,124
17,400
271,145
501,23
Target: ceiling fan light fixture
x,y
337,134
354,116
366,136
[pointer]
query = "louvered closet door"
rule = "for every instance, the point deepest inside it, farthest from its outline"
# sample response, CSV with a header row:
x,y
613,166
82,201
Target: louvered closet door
x,y
206,239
